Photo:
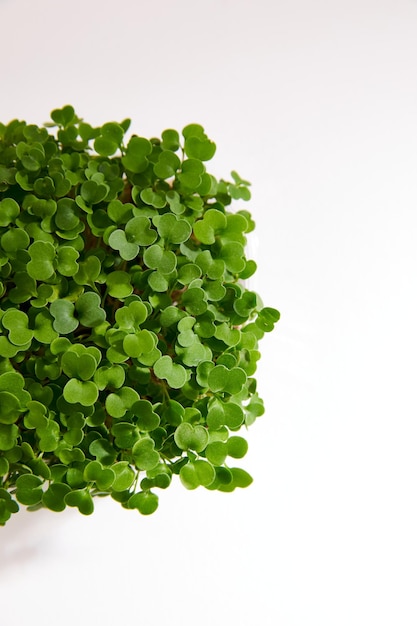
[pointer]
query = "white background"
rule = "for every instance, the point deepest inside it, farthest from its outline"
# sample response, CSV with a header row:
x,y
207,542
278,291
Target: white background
x,y
315,103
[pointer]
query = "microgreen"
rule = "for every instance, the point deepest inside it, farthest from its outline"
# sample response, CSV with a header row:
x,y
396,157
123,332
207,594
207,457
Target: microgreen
x,y
128,337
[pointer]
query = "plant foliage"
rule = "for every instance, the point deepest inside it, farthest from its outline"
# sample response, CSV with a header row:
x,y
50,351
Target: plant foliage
x,y
128,339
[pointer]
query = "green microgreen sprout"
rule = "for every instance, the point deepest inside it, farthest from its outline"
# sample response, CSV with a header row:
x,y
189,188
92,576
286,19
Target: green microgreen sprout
x,y
128,335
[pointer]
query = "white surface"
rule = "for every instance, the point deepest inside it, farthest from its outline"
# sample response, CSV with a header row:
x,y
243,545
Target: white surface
x,y
315,103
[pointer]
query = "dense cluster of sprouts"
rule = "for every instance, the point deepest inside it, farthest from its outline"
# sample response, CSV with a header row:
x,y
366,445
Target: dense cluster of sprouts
x,y
128,339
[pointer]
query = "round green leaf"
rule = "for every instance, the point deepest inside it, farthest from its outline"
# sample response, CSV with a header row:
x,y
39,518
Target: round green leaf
x,y
105,146
14,239
80,498
103,451
118,284
237,447
9,408
147,419
118,241
216,452
197,473
144,501
4,466
124,476
29,489
138,231
144,454
8,436
173,373
173,229
77,391
197,148
189,437
9,210
16,322
41,265
88,309
54,497
119,402
63,313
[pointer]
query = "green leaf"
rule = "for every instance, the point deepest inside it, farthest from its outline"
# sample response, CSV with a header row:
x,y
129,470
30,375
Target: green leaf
x,y
189,437
120,401
16,322
194,300
88,271
153,198
142,342
144,454
8,436
170,140
54,497
67,260
173,373
233,255
266,319
63,313
237,447
93,192
103,477
198,148
197,473
239,479
135,159
222,379
147,419
66,217
191,175
80,498
230,336
172,228
103,451
225,414
132,316
42,257
138,231
125,434
189,477
9,210
77,391
144,501
124,476
63,116
118,284
159,259
105,146
89,311
118,241
29,489
168,163
109,376
119,212
216,452
14,239
49,436
205,230
79,365
4,466
193,130
9,408
187,273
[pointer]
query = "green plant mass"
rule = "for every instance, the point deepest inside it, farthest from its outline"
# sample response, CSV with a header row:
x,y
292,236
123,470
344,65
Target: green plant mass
x,y
128,339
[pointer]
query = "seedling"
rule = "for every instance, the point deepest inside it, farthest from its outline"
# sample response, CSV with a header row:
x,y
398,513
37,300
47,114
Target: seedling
x,y
128,337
